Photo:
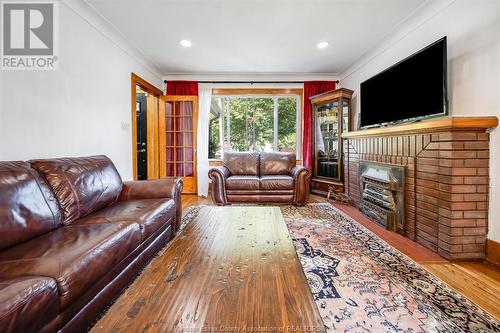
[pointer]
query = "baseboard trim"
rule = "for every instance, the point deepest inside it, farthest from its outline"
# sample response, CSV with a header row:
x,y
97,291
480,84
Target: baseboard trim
x,y
493,251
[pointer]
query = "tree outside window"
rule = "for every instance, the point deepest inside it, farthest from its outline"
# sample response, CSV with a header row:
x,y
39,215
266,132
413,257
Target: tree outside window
x,y
257,123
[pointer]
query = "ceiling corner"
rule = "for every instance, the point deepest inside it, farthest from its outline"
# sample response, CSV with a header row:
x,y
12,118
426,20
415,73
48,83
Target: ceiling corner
x,y
90,15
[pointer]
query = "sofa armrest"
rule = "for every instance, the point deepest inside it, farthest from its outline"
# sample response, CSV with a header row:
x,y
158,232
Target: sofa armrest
x,y
302,180
166,188
218,176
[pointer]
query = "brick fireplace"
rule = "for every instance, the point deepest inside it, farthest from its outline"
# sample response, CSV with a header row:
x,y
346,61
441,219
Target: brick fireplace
x,y
446,184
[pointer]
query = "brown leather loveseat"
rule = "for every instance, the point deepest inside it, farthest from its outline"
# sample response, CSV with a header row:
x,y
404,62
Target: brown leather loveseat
x,y
72,236
248,177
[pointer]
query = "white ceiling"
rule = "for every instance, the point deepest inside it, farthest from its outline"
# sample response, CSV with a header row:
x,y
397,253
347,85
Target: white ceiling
x,y
259,36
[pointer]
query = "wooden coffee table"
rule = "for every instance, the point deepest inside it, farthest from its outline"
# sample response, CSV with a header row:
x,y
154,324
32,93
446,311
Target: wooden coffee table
x,y
232,269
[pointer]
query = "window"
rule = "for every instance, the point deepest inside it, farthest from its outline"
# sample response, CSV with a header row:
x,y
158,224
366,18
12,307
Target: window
x,y
253,123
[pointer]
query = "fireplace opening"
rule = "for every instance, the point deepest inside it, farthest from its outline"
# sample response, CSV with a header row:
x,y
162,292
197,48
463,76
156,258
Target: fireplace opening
x,y
382,194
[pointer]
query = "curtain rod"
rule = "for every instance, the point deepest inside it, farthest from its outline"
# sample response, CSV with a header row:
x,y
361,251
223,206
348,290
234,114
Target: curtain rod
x,y
252,82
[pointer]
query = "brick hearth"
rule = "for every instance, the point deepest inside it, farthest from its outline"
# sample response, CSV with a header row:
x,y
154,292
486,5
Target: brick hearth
x,y
447,184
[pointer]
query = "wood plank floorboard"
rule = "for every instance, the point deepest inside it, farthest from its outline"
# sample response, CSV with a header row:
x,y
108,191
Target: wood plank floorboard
x,y
479,281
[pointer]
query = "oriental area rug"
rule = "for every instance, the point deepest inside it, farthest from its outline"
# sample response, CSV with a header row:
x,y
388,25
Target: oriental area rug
x,y
362,284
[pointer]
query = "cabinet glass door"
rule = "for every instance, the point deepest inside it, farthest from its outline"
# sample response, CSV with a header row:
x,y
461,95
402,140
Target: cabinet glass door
x,y
345,115
178,122
327,145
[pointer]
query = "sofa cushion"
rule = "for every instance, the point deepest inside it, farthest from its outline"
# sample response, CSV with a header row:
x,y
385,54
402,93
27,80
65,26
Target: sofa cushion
x,y
276,163
82,185
269,183
242,183
27,303
242,163
150,214
28,207
76,256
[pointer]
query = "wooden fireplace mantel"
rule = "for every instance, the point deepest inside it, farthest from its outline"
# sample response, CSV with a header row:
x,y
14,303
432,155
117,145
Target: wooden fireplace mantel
x,y
442,124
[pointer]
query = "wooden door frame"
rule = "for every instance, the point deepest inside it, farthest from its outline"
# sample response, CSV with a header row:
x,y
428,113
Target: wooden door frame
x,y
136,80
162,138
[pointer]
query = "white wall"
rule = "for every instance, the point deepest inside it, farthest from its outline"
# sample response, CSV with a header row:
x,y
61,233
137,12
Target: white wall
x,y
473,31
81,109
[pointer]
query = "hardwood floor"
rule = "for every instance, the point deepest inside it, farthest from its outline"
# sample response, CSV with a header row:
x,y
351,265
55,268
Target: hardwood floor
x,y
479,281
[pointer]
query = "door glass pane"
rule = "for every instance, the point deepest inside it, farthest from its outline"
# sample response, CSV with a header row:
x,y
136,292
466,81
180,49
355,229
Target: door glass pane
x,y
179,169
189,170
177,124
188,155
169,114
170,154
169,124
185,123
188,139
169,139
179,155
184,108
327,137
170,169
179,139
169,109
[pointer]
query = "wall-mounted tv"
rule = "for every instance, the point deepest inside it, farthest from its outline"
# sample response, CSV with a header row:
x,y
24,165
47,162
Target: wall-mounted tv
x,y
412,89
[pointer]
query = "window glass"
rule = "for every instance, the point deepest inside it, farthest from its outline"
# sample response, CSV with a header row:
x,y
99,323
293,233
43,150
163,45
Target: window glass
x,y
256,123
287,124
214,133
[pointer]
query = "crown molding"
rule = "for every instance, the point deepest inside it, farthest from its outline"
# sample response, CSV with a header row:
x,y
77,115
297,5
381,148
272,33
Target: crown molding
x,y
90,15
241,76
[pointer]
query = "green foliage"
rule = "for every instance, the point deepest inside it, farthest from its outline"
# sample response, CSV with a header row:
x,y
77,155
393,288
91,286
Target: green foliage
x,y
213,137
287,124
252,124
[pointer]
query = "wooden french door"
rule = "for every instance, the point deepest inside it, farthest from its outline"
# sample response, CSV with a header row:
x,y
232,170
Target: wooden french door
x,y
177,125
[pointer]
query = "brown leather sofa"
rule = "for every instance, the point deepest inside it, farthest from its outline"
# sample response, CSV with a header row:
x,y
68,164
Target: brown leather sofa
x,y
72,236
248,177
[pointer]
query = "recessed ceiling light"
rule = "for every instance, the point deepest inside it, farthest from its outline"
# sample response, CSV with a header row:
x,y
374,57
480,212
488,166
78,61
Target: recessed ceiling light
x,y
322,45
186,43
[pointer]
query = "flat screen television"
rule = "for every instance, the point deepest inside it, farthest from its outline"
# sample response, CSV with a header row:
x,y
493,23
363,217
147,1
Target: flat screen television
x,y
412,89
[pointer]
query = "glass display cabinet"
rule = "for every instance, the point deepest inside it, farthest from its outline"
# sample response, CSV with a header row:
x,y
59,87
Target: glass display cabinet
x,y
331,117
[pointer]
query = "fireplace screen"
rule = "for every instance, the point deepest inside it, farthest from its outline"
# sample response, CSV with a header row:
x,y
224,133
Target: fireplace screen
x,y
382,194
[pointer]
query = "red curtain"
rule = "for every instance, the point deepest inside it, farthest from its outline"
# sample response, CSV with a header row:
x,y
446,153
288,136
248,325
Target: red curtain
x,y
182,88
311,88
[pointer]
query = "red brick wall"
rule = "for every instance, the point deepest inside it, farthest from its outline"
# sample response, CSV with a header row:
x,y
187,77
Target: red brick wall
x,y
446,194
